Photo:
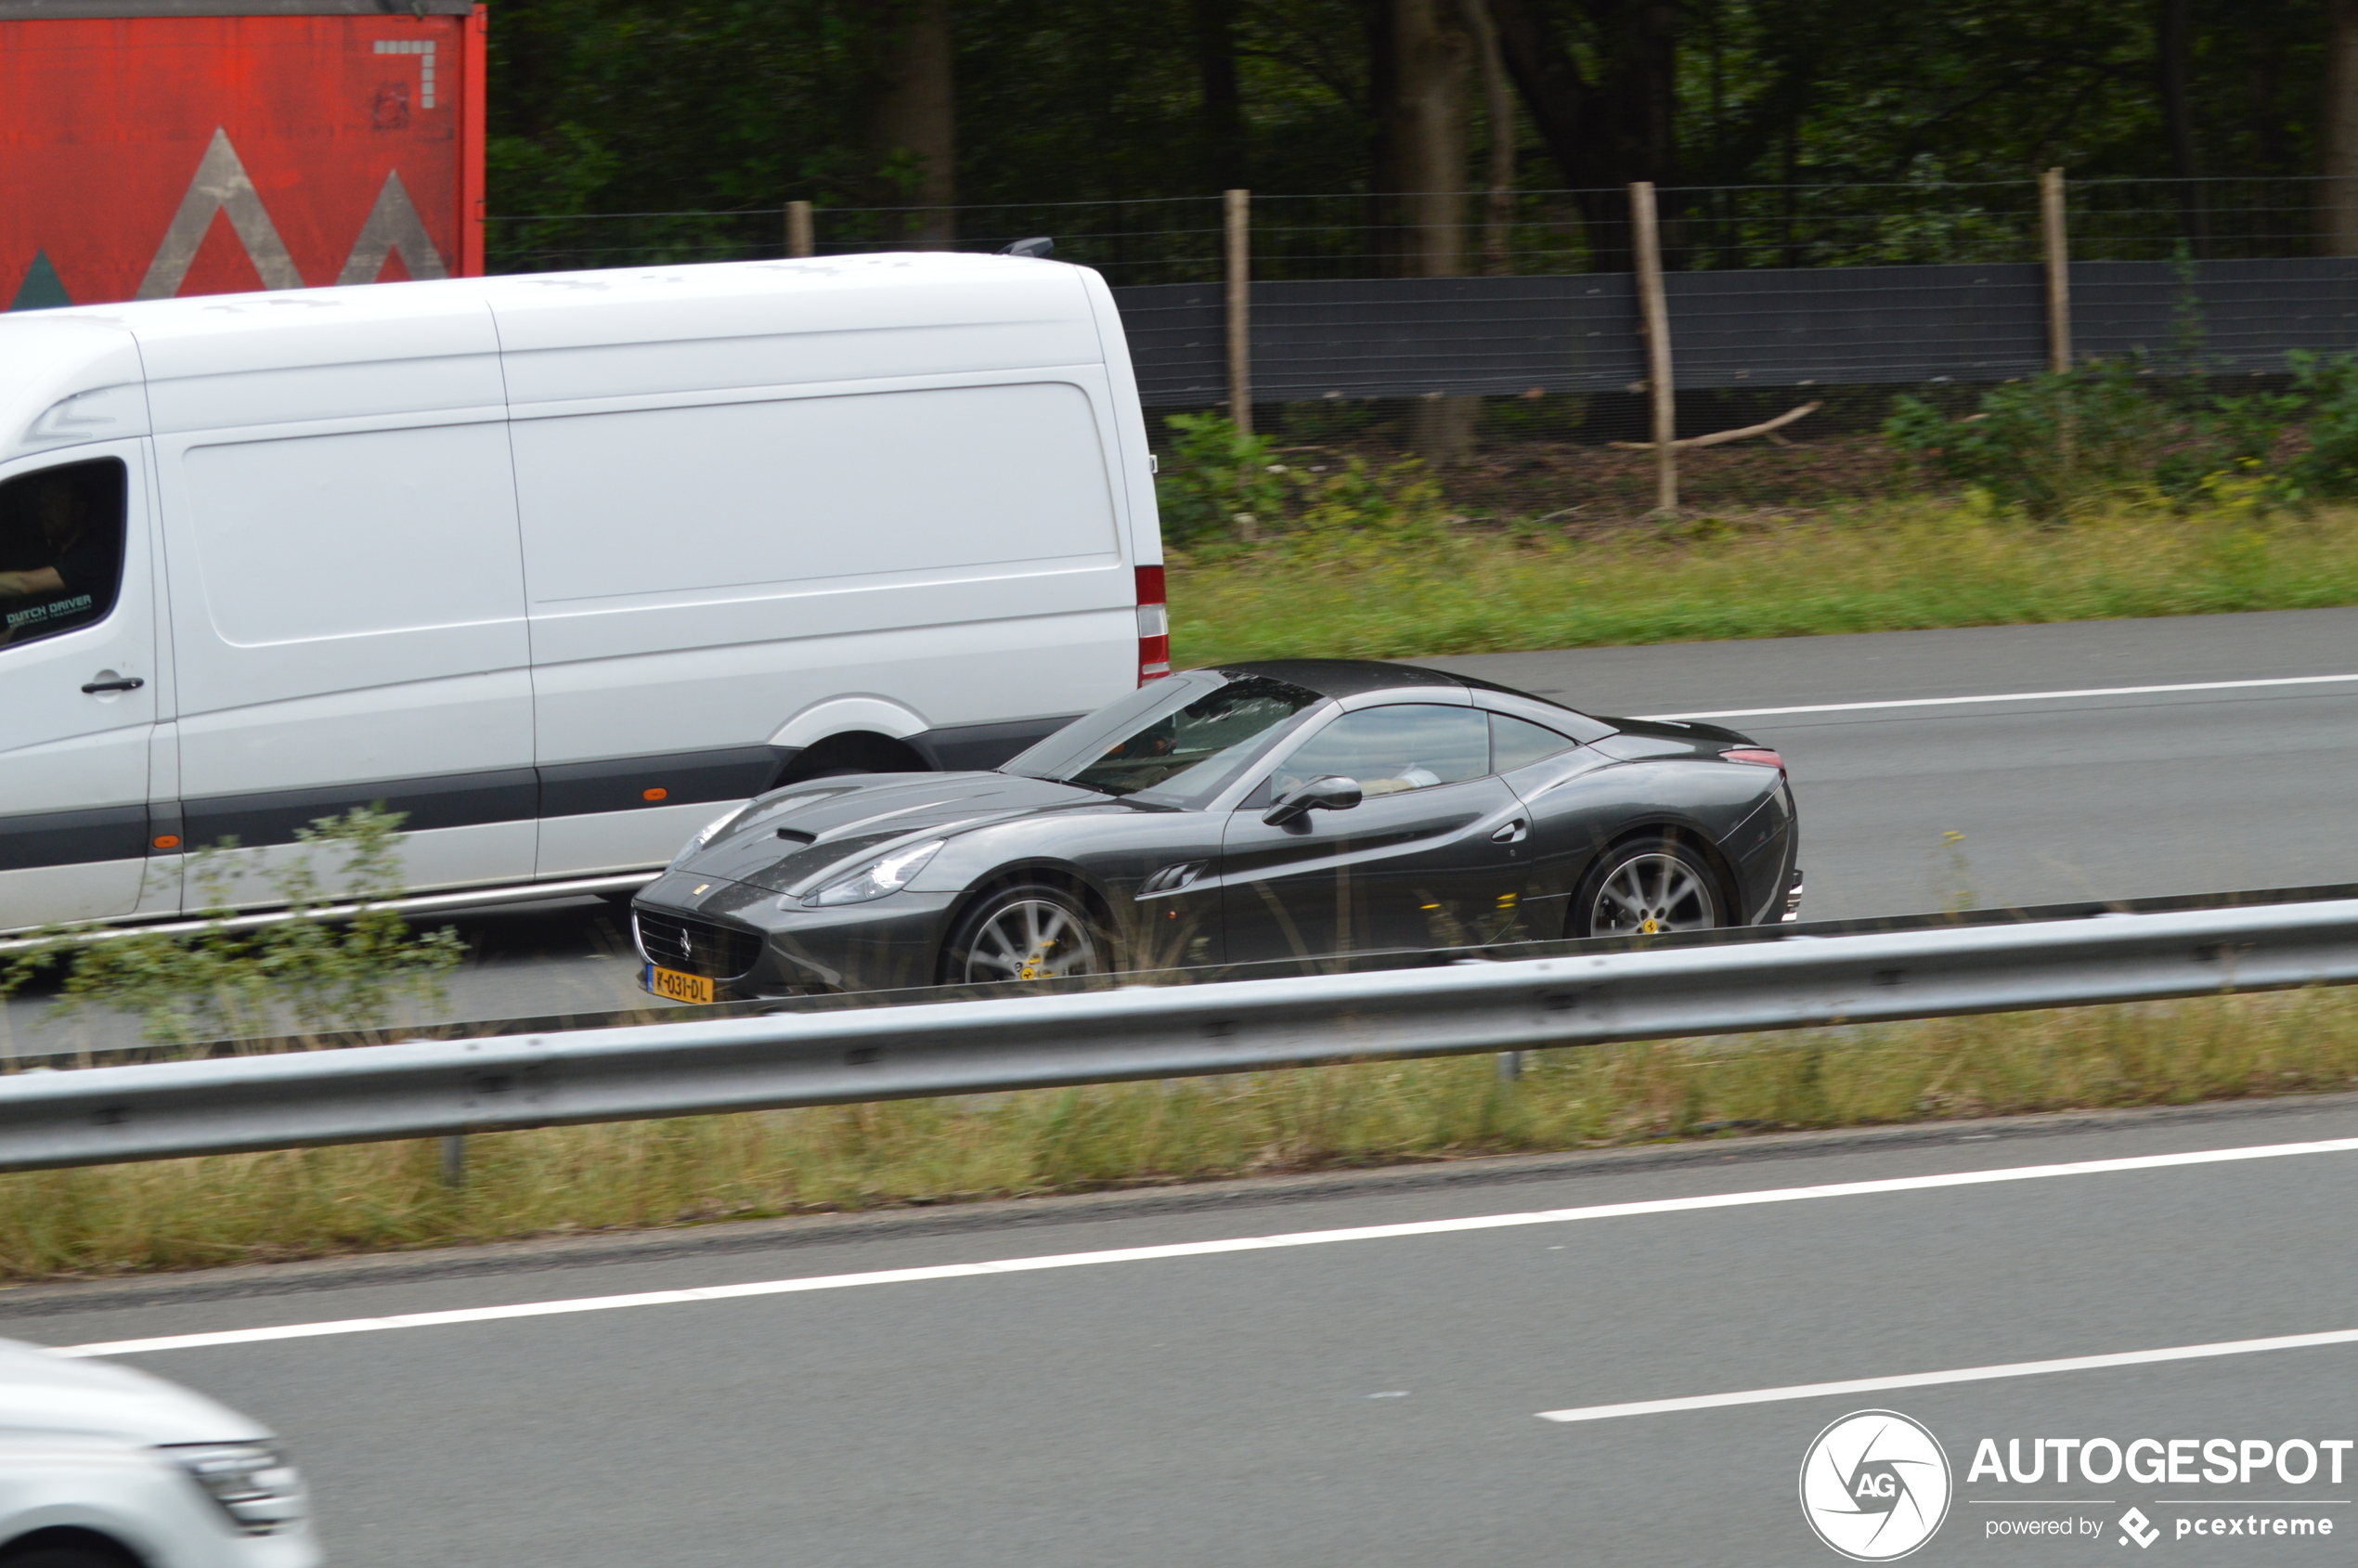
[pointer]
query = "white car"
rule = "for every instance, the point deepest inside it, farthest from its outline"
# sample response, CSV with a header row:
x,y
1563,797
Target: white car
x,y
106,1467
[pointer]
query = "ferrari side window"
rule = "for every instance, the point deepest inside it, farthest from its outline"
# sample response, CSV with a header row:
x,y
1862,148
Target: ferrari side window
x,y
1412,745
1514,743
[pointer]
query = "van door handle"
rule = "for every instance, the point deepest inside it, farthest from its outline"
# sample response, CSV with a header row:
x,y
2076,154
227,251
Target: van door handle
x,y
1512,833
116,683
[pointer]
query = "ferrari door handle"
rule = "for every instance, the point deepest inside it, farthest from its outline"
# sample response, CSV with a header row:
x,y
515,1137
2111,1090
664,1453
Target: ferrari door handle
x,y
115,683
1513,833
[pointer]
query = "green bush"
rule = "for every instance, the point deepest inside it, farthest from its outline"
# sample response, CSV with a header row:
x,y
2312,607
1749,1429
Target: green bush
x,y
1227,489
2328,389
2045,443
2119,427
226,981
1223,484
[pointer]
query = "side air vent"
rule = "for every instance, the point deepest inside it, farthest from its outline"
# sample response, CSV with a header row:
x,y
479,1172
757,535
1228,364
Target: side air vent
x,y
1170,879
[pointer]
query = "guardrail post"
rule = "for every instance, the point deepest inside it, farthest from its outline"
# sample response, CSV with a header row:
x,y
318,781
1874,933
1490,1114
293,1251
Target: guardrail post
x,y
1510,1066
1236,214
1654,312
801,240
454,1160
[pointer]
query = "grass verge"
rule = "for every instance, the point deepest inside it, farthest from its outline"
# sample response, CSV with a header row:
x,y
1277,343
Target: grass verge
x,y
1899,566
192,1214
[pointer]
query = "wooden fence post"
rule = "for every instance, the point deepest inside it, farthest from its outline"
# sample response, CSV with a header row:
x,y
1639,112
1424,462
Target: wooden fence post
x,y
801,238
1236,211
1655,312
2058,255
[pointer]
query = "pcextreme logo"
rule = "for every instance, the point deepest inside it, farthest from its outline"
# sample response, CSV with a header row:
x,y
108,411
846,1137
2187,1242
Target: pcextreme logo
x,y
1874,1485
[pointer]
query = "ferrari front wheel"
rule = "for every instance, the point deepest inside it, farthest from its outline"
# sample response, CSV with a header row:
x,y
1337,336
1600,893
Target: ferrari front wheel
x,y
1032,932
1646,887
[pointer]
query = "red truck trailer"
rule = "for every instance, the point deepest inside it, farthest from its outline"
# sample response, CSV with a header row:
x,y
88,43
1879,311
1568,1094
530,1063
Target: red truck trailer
x,y
153,148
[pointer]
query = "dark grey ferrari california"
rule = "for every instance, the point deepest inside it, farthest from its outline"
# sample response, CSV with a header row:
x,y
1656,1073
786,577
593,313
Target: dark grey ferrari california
x,y
1255,811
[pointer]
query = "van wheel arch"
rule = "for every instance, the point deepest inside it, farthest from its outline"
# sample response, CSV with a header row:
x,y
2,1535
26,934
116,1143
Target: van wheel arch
x,y
853,751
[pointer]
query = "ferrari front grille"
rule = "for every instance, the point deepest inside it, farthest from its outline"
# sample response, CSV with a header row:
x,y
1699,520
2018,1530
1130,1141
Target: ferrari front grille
x,y
694,947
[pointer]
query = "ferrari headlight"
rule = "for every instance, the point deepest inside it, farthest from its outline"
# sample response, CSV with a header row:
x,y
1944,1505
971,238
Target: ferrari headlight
x,y
253,1482
708,832
887,873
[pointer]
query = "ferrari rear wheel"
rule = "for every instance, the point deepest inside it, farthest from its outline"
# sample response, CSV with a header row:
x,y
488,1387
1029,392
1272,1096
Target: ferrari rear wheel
x,y
1027,933
1646,887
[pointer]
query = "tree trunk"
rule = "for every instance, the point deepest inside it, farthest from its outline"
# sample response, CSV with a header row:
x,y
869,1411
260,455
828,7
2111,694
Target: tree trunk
x,y
1498,103
1608,133
2337,134
915,124
2172,46
1428,113
1386,179
1222,123
1427,128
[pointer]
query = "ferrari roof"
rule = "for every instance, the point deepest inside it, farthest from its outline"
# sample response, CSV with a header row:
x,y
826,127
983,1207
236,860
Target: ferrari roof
x,y
1347,677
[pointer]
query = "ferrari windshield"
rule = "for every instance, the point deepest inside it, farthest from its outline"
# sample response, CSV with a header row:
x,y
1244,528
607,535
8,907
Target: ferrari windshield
x,y
1175,741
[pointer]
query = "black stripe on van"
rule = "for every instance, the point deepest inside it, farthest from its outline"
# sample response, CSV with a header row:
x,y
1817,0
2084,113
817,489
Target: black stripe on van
x,y
93,833
633,784
506,795
978,748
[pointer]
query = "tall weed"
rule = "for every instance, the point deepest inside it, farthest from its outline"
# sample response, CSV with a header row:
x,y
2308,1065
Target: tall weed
x,y
298,1203
227,981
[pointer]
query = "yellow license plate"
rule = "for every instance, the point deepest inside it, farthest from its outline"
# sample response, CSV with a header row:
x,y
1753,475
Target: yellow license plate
x,y
678,986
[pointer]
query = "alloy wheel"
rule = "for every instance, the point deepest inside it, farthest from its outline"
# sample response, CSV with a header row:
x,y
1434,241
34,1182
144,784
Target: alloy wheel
x,y
1032,939
1652,893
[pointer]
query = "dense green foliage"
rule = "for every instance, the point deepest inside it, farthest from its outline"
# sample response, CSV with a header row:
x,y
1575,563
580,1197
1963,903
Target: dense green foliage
x,y
619,106
2112,429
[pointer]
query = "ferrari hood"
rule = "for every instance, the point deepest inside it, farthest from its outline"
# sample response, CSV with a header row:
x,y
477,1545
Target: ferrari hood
x,y
788,838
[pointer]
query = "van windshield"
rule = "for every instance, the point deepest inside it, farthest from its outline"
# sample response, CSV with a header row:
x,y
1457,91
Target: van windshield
x,y
1174,742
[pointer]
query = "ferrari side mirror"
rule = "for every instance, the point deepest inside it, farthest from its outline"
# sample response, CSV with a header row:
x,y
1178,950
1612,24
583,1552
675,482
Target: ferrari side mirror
x,y
1333,793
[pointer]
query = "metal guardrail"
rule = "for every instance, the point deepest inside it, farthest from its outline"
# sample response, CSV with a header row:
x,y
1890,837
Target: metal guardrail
x,y
159,1110
656,1011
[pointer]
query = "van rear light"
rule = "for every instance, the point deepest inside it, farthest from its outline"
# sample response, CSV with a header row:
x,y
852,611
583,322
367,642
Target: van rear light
x,y
1759,756
1154,626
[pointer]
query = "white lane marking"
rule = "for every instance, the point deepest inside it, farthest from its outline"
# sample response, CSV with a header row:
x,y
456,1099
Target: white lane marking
x,y
1205,1248
1956,1375
2009,698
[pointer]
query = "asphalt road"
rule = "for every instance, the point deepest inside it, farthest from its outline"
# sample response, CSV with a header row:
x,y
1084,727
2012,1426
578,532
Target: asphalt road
x,y
2056,800
1362,1400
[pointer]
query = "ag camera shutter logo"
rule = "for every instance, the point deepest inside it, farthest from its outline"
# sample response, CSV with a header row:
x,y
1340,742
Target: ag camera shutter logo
x,y
1874,1485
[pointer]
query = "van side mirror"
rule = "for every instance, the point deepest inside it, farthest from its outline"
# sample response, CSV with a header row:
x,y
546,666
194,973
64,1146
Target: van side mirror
x,y
1038,245
1333,793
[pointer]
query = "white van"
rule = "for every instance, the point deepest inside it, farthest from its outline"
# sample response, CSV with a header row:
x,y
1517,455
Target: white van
x,y
555,564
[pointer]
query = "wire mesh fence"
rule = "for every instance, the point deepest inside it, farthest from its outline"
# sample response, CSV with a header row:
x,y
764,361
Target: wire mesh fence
x,y
1842,296
1177,239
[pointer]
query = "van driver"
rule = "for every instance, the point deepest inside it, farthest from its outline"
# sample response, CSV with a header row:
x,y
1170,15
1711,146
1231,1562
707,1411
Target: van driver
x,y
81,558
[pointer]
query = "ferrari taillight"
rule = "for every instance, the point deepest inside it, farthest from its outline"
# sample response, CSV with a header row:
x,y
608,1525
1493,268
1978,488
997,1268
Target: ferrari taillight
x,y
1759,756
1154,626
